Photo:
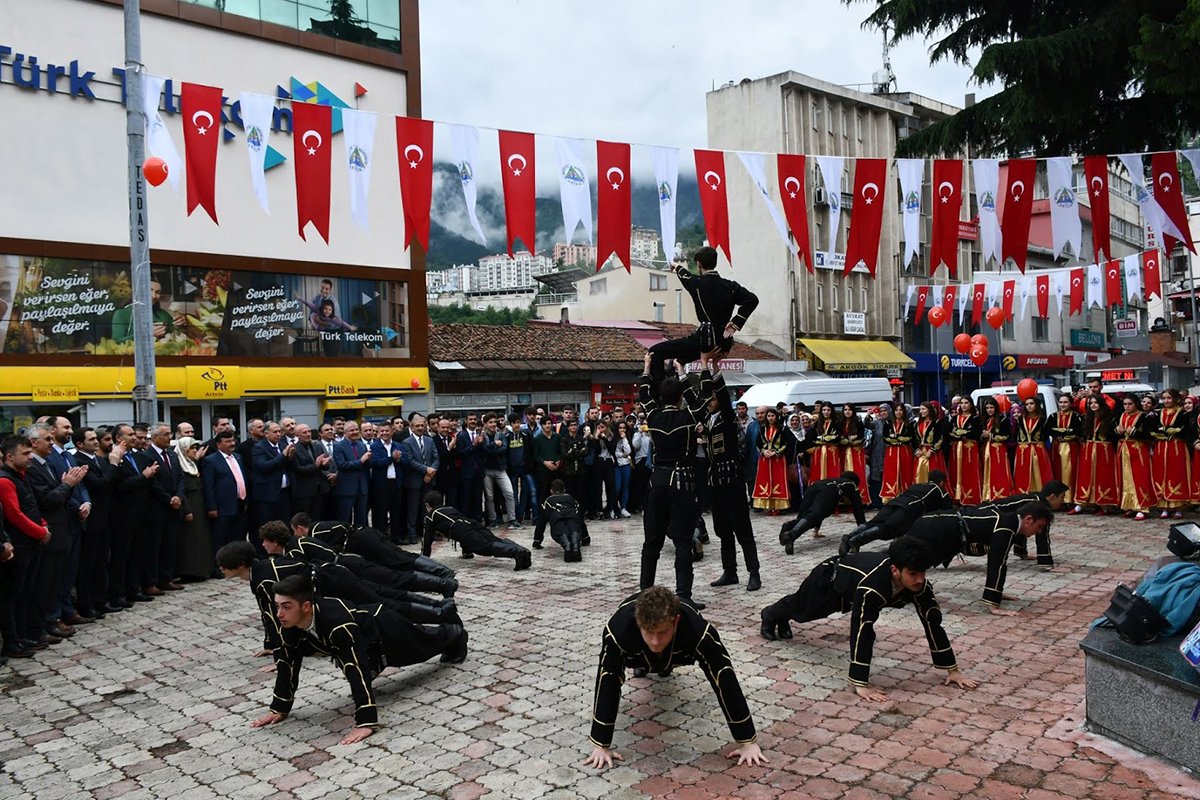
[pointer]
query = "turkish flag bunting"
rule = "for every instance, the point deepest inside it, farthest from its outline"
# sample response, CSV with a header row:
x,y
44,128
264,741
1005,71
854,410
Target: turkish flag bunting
x,y
948,298
1095,169
1151,279
866,222
201,107
710,169
922,297
311,134
1169,193
1043,296
1018,210
613,197
414,143
1112,283
520,196
977,304
947,208
1010,291
1076,291
793,191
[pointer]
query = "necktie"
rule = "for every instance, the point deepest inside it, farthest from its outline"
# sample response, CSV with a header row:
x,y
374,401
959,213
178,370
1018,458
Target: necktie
x,y
421,447
237,476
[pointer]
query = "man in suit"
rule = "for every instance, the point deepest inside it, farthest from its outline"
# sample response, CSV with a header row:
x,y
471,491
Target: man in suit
x,y
255,431
225,482
91,583
166,513
387,493
447,451
470,449
307,471
80,507
419,459
270,478
324,444
21,618
130,531
353,459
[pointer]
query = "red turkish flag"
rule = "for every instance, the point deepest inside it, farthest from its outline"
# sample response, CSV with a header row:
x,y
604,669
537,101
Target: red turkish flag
x,y
710,169
313,157
1018,210
1112,282
1151,279
922,297
414,143
1043,296
977,304
1095,169
866,220
201,107
1076,291
520,197
1169,193
613,195
1010,290
948,297
947,208
793,191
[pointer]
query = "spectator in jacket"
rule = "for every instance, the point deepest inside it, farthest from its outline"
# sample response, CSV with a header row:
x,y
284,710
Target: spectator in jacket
x,y
495,473
387,491
419,459
642,462
547,457
271,477
518,442
225,480
353,457
470,477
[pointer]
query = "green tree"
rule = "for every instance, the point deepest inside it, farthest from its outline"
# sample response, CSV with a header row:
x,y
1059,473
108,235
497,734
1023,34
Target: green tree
x,y
1078,76
488,316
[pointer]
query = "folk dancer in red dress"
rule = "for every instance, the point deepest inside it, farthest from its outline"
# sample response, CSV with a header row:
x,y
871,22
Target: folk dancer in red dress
x,y
1097,482
1134,433
854,451
1066,433
1171,461
997,475
825,454
1032,469
965,470
930,439
771,480
899,437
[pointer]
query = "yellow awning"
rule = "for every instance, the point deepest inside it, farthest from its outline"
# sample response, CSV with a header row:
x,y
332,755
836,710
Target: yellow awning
x,y
842,356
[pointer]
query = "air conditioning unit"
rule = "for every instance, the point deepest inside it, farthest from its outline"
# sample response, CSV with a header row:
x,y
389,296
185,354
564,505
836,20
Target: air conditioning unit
x,y
820,198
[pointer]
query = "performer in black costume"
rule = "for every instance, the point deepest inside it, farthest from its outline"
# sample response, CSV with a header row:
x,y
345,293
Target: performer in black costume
x,y
567,526
368,543
655,630
818,504
863,584
899,513
472,535
730,508
1053,494
362,640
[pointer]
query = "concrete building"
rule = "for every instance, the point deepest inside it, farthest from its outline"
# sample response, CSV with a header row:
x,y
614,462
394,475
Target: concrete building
x,y
501,273
647,291
644,244
575,255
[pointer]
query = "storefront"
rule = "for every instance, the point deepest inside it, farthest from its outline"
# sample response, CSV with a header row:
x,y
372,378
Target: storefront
x,y
848,359
940,376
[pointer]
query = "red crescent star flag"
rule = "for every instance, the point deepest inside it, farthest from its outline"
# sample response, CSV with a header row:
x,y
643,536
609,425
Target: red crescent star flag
x,y
710,172
1169,193
977,303
613,199
1018,210
1095,169
922,297
1043,296
947,208
517,178
866,223
1151,279
311,132
1076,291
414,145
201,107
1010,291
793,191
948,298
1112,283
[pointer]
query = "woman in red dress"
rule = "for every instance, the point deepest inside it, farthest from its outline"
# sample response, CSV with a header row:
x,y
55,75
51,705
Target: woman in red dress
x,y
965,471
1066,432
854,451
1171,461
997,475
1097,480
899,436
930,438
1032,468
824,452
771,480
1134,433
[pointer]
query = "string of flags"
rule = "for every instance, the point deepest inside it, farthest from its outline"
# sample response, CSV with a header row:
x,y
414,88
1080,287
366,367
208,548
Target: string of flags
x,y
1005,190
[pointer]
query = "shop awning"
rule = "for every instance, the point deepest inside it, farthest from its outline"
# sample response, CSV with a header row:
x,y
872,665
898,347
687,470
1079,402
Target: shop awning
x,y
347,403
840,356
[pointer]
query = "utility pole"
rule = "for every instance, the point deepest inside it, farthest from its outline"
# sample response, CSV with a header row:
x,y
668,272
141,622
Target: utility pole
x,y
145,395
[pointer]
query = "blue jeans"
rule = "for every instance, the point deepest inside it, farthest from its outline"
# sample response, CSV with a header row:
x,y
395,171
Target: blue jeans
x,y
527,500
623,475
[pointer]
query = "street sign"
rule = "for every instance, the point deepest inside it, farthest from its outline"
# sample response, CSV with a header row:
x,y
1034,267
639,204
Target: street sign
x,y
854,322
1126,328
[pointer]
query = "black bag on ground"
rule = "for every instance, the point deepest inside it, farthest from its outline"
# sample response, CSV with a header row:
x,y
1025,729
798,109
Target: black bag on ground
x,y
1136,621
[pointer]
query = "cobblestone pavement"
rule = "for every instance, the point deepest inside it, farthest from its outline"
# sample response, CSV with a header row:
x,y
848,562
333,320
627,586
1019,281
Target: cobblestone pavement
x,y
155,702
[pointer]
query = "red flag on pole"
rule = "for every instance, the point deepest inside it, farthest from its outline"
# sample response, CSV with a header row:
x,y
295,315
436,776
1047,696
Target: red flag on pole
x,y
1151,278
1169,193
614,196
1095,169
1010,290
948,297
1076,291
311,132
793,191
1112,282
947,208
866,222
414,143
1018,210
201,107
977,304
520,198
1043,296
710,169
922,297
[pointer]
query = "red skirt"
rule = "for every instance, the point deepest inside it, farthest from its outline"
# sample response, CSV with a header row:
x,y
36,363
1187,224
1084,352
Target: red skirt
x,y
1137,485
1065,462
1097,475
1032,469
997,477
965,473
926,461
826,463
897,471
854,459
771,483
1174,478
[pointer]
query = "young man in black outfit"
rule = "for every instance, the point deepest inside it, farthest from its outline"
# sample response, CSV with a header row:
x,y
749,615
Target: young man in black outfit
x,y
899,513
730,506
472,535
820,501
567,527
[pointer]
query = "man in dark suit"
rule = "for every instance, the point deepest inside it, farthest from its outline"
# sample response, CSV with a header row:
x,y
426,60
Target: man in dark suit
x,y
80,507
419,459
307,470
271,478
255,431
353,459
447,450
91,584
387,494
21,618
323,443
166,513
130,531
225,484
470,477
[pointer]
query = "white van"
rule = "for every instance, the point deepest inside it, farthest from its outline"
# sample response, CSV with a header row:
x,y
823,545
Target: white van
x,y
862,392
1048,394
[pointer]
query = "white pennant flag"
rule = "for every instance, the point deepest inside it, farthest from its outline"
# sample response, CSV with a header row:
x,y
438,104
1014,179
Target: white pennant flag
x,y
1193,157
158,138
912,172
1065,224
466,149
755,164
1095,286
1133,276
908,299
831,173
938,294
1025,286
966,297
573,188
1156,219
987,188
992,296
358,129
1060,285
258,115
666,178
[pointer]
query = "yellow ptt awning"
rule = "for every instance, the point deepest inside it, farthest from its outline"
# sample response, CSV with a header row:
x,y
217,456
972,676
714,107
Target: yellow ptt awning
x,y
841,356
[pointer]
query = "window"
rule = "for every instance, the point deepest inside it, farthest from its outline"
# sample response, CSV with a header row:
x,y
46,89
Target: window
x,y
833,294
863,292
374,23
1179,266
1008,331
1041,329
845,124
820,297
658,283
599,286
858,127
816,115
849,297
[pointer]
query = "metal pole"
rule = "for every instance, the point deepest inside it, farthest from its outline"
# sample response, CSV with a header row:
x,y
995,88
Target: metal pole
x,y
145,396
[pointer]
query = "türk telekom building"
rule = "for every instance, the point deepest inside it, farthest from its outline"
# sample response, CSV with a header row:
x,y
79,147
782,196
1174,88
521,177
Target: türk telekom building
x,y
237,332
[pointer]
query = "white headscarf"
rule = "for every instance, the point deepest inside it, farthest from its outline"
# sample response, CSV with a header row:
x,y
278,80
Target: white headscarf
x,y
185,462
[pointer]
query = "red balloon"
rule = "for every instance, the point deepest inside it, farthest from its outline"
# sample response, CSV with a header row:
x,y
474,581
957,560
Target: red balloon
x,y
1003,404
962,343
1027,388
979,355
979,340
937,316
416,383
995,317
155,170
